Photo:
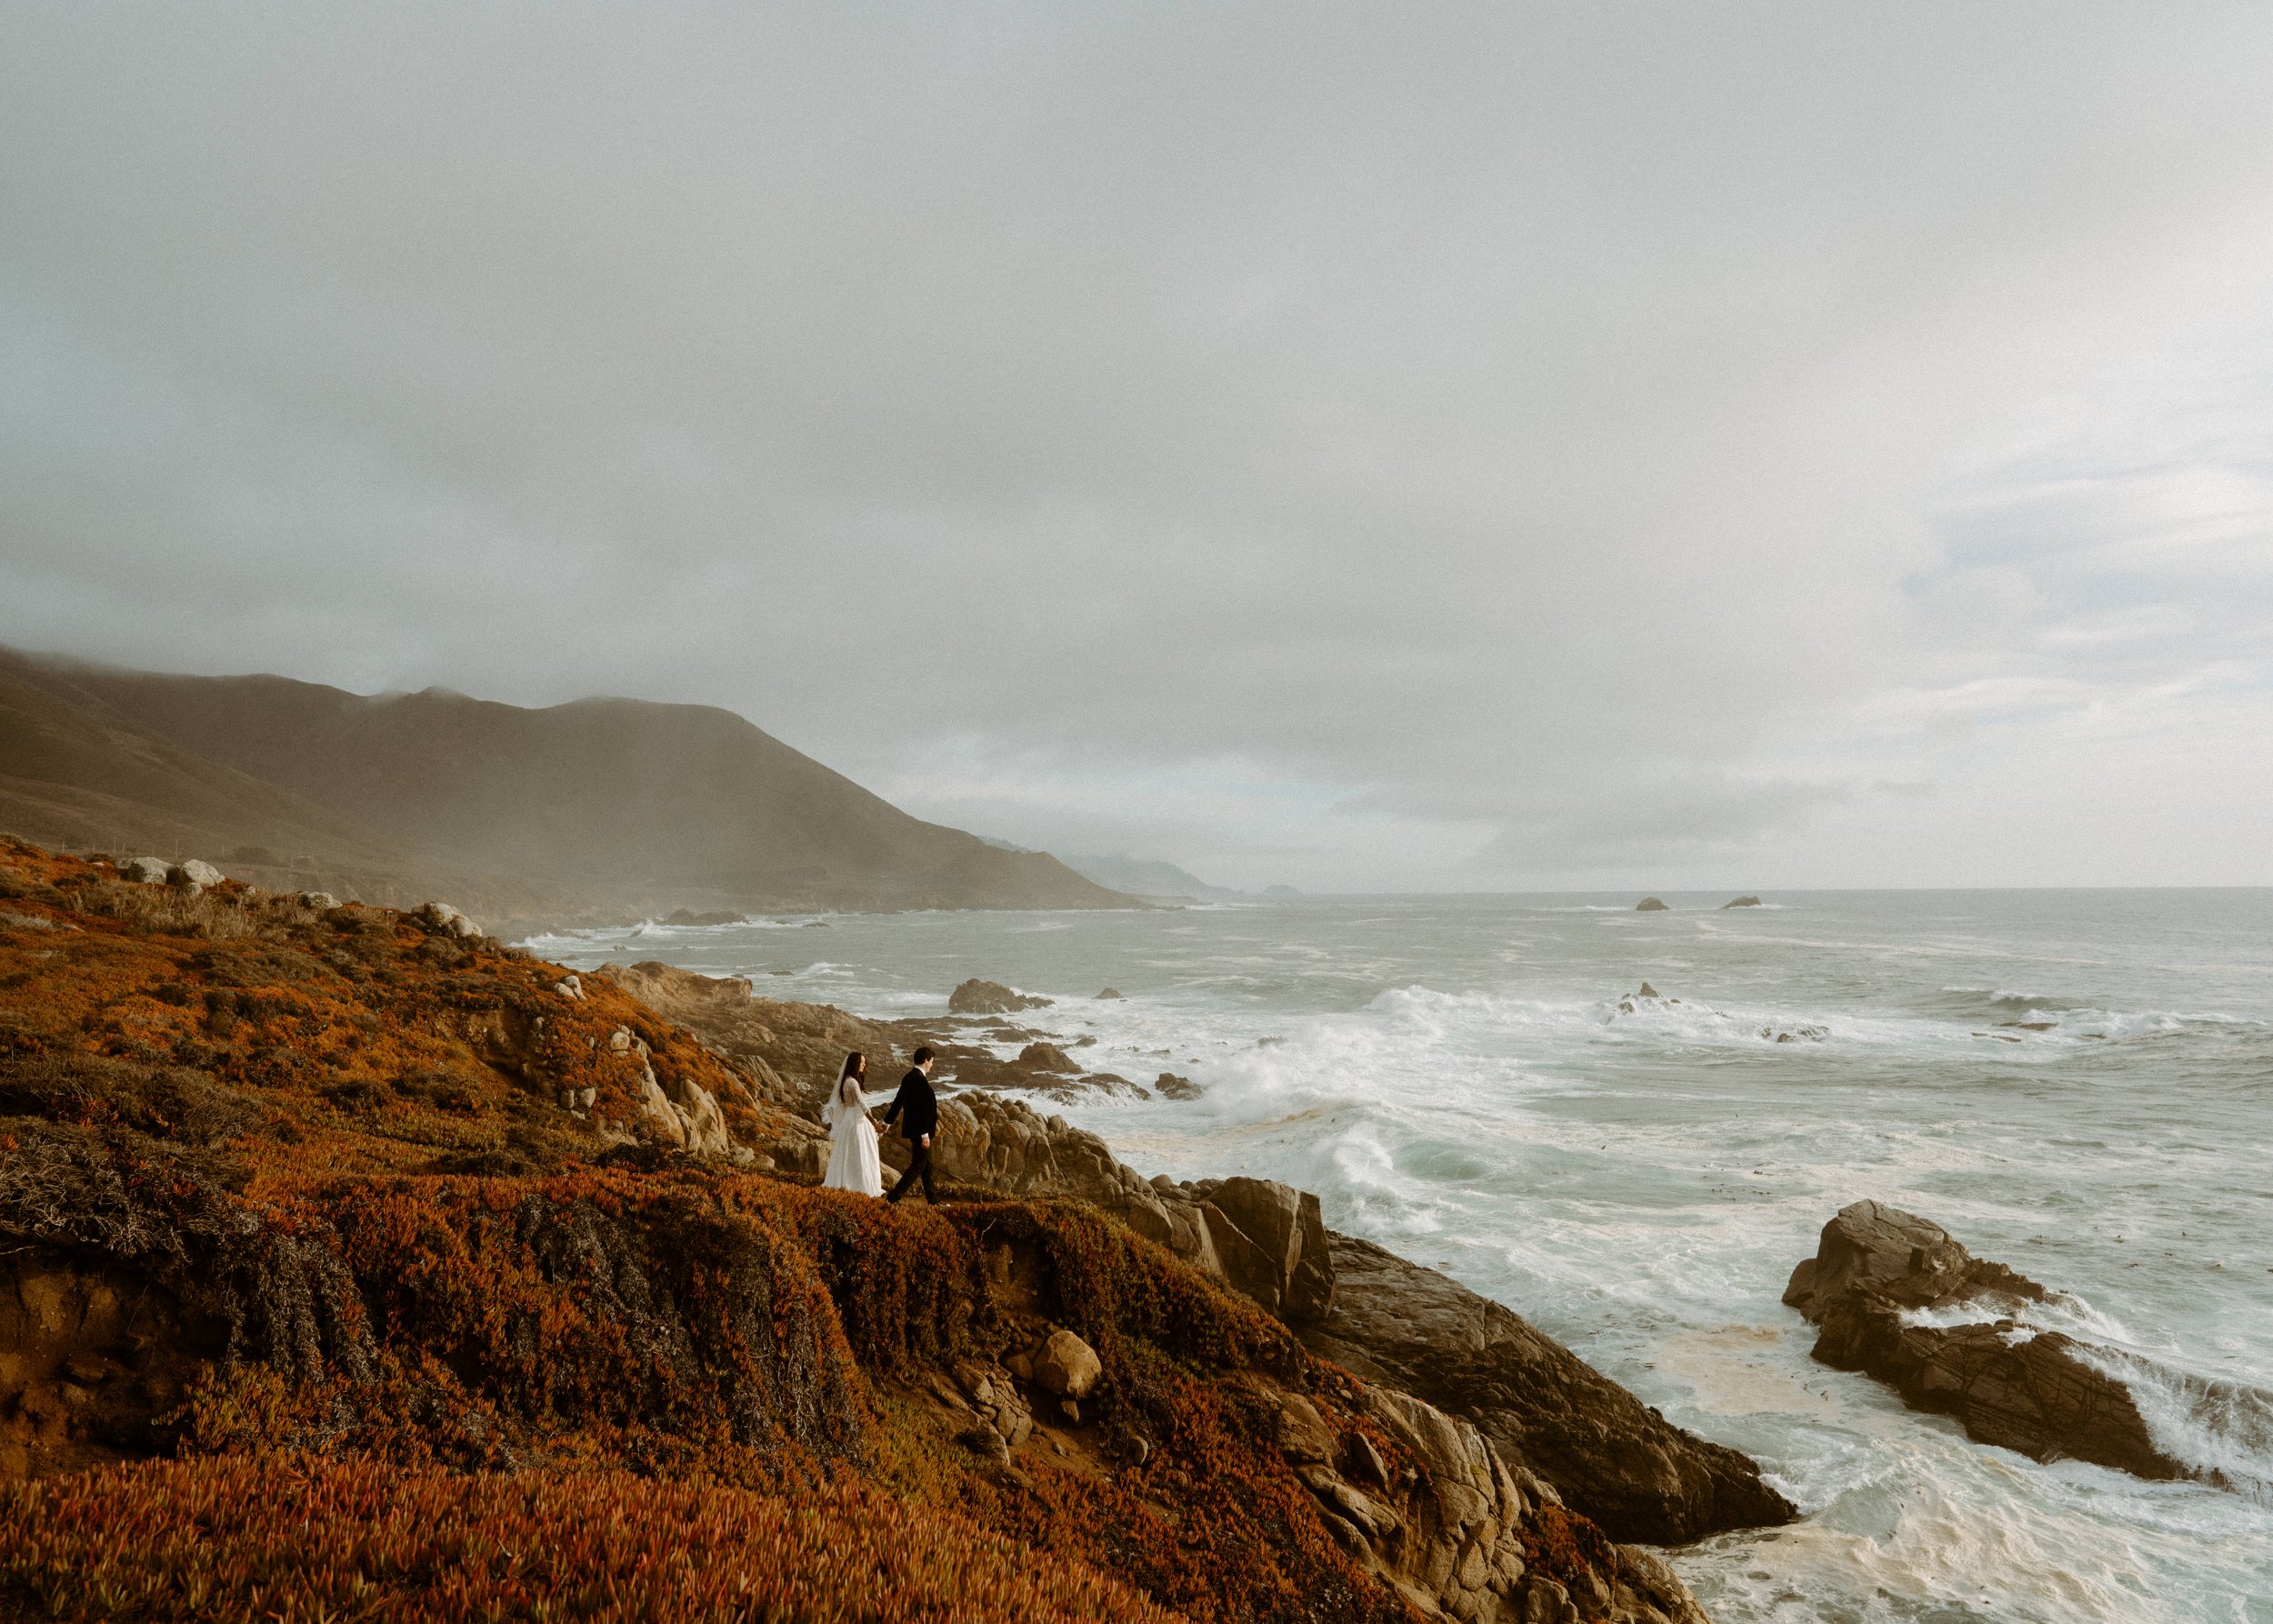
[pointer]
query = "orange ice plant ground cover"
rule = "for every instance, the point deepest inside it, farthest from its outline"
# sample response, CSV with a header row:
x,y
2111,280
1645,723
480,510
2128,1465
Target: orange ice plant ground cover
x,y
464,1355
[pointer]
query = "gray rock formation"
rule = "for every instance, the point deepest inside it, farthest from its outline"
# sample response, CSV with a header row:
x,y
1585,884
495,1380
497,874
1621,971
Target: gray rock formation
x,y
2011,1386
1740,902
147,871
193,875
1649,905
441,917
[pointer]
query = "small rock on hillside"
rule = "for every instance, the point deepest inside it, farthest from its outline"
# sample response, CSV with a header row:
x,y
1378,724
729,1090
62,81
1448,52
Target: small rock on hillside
x,y
195,874
1067,1365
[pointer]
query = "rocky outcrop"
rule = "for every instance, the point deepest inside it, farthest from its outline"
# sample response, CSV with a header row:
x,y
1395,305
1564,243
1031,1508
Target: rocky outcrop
x,y
1740,902
1621,1463
1465,1533
684,1115
1650,905
991,998
2012,1385
440,917
1396,1322
787,1052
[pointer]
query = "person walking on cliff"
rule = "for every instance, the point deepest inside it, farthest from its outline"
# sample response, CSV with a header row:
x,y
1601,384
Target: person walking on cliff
x,y
916,1109
852,1161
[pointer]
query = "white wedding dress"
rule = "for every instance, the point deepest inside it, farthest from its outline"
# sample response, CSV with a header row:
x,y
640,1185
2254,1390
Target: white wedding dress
x,y
853,1161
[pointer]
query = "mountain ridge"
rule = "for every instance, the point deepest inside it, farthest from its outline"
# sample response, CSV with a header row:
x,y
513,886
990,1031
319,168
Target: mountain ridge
x,y
597,807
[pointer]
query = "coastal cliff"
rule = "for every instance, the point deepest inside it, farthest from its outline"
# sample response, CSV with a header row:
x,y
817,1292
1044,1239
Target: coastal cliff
x,y
1396,1322
357,1265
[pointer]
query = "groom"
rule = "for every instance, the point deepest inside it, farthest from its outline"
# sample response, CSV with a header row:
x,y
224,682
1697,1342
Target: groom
x,y
917,1110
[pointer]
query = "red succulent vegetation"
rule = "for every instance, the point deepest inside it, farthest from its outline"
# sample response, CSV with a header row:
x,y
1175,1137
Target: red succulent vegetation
x,y
369,1325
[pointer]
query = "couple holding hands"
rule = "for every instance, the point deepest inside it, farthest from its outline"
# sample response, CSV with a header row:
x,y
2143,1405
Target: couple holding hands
x,y
853,1162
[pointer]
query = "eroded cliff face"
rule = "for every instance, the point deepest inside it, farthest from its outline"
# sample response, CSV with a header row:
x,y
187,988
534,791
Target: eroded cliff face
x,y
396,1202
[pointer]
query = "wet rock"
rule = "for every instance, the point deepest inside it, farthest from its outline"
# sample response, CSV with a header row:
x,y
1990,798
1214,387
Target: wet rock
x,y
1650,905
1740,902
1108,994
1171,1086
1044,1058
1545,1409
991,998
2034,1392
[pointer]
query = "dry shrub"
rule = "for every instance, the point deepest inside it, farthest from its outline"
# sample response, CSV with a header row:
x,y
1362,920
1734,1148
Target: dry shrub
x,y
278,1293
248,1538
164,1102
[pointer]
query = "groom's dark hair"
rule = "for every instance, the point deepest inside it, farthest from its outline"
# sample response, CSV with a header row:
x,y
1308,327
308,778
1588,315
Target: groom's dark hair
x,y
923,1053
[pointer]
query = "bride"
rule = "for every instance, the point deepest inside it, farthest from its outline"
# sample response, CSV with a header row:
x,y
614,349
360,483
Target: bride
x,y
852,1161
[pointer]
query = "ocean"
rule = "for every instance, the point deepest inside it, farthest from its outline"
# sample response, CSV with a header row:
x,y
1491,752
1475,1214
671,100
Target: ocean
x,y
2077,1083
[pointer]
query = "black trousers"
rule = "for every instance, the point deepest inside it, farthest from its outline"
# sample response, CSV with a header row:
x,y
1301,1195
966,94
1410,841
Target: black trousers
x,y
918,1166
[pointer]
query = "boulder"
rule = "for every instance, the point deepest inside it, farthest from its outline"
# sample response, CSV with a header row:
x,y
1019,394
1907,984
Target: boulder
x,y
1108,994
1172,1087
147,871
1740,902
1271,1239
1650,905
1543,1408
1066,1365
323,902
444,919
194,874
1044,1057
2040,1393
991,998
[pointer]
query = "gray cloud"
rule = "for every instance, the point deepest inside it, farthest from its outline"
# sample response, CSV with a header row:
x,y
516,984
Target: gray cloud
x,y
1355,447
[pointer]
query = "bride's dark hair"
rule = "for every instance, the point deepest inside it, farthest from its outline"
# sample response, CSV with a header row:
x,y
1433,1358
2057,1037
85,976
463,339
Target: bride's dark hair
x,y
855,1065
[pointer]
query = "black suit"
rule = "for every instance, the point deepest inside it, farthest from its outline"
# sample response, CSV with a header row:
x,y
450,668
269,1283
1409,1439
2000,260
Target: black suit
x,y
917,1109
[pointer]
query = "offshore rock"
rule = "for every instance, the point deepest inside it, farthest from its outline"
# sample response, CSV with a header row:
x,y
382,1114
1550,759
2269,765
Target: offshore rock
x,y
1740,902
991,998
2012,1386
1650,905
1611,1456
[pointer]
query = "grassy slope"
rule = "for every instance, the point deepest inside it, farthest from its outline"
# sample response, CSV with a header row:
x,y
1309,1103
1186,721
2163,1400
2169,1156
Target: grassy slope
x,y
615,797
460,1358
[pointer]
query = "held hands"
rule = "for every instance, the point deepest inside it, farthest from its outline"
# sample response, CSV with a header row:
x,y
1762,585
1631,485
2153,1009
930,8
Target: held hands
x,y
925,1141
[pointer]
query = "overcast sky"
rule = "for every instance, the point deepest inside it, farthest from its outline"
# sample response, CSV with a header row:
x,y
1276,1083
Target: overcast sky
x,y
1401,446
